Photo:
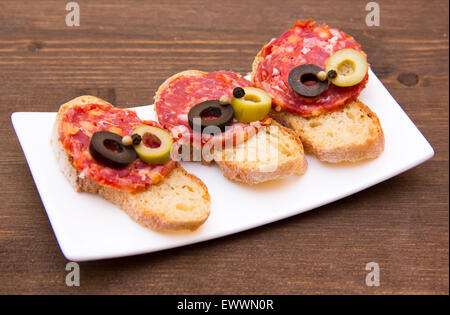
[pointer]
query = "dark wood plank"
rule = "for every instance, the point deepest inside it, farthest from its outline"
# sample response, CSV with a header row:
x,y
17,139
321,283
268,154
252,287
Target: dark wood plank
x,y
123,50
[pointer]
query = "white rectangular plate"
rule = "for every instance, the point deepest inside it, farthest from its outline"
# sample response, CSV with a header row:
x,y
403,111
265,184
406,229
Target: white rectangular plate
x,y
88,227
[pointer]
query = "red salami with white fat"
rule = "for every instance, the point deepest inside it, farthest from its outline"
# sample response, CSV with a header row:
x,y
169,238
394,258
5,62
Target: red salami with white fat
x,y
79,123
180,93
305,43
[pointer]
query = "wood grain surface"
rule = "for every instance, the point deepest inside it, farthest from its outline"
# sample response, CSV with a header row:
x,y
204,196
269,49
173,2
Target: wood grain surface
x,y
124,49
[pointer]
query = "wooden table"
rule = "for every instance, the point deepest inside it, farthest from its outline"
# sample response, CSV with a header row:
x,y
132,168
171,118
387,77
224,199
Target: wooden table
x,y
123,50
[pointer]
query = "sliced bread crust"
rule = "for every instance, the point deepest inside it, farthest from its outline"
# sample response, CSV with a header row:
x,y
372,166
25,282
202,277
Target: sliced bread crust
x,y
246,171
181,201
350,134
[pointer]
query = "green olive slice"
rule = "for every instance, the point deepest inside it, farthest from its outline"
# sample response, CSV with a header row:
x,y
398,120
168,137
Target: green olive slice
x,y
253,106
350,65
155,146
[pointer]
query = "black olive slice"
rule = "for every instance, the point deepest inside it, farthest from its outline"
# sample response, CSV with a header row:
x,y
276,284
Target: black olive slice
x,y
218,114
307,73
107,148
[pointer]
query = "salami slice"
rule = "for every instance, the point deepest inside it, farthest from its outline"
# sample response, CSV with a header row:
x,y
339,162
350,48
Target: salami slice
x,y
305,43
78,123
183,91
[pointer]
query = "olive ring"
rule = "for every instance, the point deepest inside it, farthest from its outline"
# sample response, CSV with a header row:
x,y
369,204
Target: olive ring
x,y
107,148
307,73
223,115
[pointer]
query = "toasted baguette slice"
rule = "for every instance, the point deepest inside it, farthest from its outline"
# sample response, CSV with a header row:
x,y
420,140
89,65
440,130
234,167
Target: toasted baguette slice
x,y
273,153
239,163
181,201
350,134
